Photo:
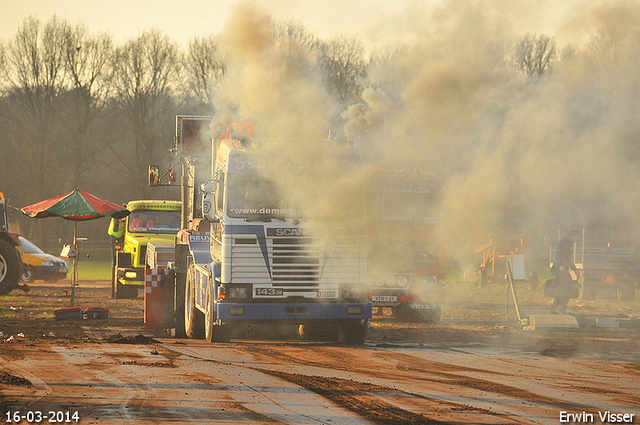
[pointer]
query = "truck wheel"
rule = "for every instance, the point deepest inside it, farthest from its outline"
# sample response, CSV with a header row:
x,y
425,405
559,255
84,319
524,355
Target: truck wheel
x,y
213,332
329,331
481,278
10,267
193,318
118,290
626,292
588,291
179,307
28,273
354,331
533,281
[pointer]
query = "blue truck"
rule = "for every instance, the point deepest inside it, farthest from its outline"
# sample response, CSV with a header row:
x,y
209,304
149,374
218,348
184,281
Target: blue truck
x,y
250,253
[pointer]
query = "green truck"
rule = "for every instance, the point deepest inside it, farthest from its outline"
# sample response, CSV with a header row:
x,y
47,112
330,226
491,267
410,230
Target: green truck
x,y
150,221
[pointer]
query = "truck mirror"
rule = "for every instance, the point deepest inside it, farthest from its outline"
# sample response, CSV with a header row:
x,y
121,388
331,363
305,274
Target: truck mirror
x,y
154,175
209,206
208,187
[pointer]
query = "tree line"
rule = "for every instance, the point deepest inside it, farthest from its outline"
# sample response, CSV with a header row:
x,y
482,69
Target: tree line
x,y
78,110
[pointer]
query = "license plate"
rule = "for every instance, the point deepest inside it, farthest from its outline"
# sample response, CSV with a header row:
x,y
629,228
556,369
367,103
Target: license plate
x,y
327,294
384,298
269,292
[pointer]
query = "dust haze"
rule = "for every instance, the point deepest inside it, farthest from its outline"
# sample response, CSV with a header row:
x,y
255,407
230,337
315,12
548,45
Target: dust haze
x,y
517,154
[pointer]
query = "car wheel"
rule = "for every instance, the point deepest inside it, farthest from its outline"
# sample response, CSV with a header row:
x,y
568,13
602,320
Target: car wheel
x,y
28,273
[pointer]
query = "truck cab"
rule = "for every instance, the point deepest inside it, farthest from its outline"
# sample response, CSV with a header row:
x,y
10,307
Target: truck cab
x,y
149,221
406,256
272,261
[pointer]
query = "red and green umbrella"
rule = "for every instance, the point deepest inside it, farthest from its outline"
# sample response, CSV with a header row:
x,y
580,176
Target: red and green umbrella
x,y
76,206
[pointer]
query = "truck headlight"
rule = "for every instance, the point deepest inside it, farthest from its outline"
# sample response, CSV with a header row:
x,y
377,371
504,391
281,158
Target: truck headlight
x,y
402,281
130,275
236,292
430,279
390,281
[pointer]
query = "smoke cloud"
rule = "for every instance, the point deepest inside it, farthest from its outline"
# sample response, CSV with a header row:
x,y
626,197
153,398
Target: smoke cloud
x,y
516,154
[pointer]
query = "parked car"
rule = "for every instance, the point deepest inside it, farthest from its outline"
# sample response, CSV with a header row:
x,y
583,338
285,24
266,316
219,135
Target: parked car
x,y
37,264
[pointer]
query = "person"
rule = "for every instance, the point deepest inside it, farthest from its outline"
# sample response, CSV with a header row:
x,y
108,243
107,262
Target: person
x,y
562,263
142,221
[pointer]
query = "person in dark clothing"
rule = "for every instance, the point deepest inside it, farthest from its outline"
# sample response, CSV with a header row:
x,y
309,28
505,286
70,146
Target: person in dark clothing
x,y
562,263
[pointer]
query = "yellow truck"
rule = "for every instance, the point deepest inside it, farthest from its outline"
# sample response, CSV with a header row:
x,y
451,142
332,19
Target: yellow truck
x,y
150,221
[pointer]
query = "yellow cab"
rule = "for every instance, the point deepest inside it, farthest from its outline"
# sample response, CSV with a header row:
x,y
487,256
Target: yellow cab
x,y
37,264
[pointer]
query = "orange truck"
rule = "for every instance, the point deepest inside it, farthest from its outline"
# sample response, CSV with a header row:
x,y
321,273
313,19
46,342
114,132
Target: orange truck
x,y
406,258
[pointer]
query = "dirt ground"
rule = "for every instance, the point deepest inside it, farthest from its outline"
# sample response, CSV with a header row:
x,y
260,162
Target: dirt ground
x,y
474,321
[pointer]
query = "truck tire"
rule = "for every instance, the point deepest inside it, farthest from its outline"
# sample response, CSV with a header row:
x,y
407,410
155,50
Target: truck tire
x,y
588,290
481,278
533,281
193,318
118,290
178,313
28,273
328,331
215,332
354,332
626,292
10,267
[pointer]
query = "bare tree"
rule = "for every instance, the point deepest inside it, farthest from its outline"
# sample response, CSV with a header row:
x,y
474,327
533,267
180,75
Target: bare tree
x,y
202,72
291,30
89,66
344,68
382,69
34,72
146,80
535,55
613,47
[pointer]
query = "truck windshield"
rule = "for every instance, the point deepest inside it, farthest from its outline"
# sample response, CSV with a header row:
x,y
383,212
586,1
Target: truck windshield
x,y
402,254
404,202
161,222
251,195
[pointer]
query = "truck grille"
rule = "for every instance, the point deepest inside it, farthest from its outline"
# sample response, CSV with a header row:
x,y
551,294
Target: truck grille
x,y
295,261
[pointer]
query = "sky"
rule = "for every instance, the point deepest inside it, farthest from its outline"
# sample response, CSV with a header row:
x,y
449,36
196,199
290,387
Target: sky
x,y
184,20
378,23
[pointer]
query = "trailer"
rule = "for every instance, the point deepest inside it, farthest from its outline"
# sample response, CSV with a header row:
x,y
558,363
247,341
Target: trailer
x,y
608,271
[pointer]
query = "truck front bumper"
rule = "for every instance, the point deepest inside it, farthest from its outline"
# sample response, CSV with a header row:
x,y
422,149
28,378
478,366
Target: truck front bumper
x,y
294,311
